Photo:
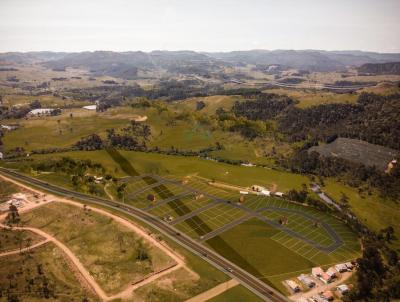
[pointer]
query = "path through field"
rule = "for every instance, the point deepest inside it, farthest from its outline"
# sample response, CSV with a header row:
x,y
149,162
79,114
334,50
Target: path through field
x,y
126,293
25,249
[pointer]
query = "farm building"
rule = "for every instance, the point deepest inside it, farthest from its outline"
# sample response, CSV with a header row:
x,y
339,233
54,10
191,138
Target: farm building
x,y
257,188
1,155
279,194
306,280
90,107
248,165
293,285
41,111
244,192
265,192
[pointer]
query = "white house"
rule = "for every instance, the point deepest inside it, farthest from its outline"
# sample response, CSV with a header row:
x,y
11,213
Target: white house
x,y
90,107
280,194
331,272
1,155
293,285
341,267
265,192
40,111
307,281
317,271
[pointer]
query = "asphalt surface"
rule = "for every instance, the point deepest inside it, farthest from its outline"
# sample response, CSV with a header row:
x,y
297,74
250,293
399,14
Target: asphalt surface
x,y
263,290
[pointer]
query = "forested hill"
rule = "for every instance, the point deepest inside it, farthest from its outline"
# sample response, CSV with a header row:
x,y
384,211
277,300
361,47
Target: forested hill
x,y
374,118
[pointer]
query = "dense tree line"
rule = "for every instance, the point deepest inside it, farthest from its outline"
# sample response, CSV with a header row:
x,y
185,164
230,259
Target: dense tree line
x,y
354,174
264,107
374,118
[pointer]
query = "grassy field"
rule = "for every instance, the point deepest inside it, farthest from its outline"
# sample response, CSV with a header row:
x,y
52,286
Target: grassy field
x,y
180,166
236,294
108,250
377,213
30,275
308,97
174,125
275,256
83,123
12,240
6,189
294,254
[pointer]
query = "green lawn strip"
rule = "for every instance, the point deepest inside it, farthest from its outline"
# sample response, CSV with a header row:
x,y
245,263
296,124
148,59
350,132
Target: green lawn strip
x,y
259,251
239,293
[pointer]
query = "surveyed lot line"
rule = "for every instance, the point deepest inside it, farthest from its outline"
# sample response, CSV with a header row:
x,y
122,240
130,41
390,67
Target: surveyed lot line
x,y
126,293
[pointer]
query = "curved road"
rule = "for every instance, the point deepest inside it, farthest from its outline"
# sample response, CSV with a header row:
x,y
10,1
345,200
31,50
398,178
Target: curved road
x,y
263,290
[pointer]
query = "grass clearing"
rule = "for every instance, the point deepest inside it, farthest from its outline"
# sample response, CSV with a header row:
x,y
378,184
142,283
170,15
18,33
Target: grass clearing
x,y
377,213
6,190
11,240
28,275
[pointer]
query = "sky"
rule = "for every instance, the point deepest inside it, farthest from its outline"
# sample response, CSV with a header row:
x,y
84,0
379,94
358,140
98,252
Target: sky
x,y
202,25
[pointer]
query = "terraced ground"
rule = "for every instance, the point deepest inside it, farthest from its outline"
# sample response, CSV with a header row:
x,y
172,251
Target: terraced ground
x,y
358,151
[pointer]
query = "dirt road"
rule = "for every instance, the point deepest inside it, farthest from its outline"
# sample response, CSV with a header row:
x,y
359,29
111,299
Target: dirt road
x,y
25,249
126,293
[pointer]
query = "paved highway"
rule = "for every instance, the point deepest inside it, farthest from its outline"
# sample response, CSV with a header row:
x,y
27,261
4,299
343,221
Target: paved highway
x,y
263,290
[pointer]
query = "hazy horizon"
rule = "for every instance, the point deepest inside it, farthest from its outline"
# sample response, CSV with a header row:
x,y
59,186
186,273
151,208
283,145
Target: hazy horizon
x,y
206,26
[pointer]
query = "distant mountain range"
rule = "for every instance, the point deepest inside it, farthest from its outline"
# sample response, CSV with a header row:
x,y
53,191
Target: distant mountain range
x,y
126,64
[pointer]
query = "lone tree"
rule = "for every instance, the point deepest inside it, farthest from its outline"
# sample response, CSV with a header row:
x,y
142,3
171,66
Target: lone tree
x,y
13,215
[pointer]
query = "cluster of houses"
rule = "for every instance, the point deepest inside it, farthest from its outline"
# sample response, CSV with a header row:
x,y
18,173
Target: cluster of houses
x,y
320,277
